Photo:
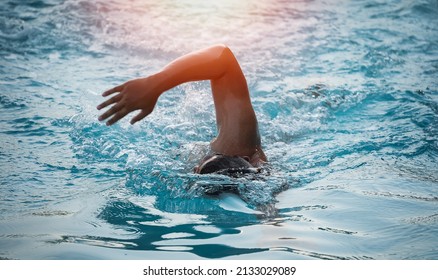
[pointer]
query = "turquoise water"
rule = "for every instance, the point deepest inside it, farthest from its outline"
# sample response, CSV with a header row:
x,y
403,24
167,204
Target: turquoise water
x,y
346,93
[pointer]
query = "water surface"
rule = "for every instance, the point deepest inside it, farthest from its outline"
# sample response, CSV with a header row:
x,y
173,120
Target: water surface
x,y
346,95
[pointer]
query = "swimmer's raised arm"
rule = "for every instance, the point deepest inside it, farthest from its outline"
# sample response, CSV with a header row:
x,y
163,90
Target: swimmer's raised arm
x,y
142,94
236,121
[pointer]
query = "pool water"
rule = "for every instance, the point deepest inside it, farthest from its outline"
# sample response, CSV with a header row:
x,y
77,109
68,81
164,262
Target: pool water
x,y
346,93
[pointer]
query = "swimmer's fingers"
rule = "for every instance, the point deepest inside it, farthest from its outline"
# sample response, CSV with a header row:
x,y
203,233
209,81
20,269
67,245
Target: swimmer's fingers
x,y
113,110
113,90
117,116
110,101
143,114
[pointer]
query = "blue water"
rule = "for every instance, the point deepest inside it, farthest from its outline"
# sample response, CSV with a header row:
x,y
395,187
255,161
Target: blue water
x,y
346,93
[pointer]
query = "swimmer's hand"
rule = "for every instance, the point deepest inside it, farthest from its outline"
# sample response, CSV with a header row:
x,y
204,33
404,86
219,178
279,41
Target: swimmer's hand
x,y
138,94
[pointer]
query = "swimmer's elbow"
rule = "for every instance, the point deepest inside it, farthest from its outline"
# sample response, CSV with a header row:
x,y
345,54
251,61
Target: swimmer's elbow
x,y
226,58
221,48
226,49
219,52
226,53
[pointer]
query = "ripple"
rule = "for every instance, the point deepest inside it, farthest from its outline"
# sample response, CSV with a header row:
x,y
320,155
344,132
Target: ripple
x,y
8,103
430,198
423,220
315,255
94,241
174,235
49,213
341,231
175,248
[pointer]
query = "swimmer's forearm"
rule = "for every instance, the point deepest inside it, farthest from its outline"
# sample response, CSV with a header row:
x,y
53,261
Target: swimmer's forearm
x,y
206,64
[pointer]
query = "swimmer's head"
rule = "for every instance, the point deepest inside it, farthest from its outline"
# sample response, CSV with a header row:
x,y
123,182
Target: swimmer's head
x,y
222,164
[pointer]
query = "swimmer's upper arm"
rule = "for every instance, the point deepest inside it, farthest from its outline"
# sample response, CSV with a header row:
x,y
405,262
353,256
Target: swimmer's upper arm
x,y
211,63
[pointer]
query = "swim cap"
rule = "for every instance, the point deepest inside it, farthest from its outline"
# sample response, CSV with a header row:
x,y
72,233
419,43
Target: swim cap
x,y
222,164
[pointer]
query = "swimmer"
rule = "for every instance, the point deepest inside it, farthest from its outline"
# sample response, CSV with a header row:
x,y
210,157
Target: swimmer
x,y
237,145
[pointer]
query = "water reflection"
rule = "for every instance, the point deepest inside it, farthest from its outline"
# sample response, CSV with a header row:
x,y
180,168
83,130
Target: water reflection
x,y
148,231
